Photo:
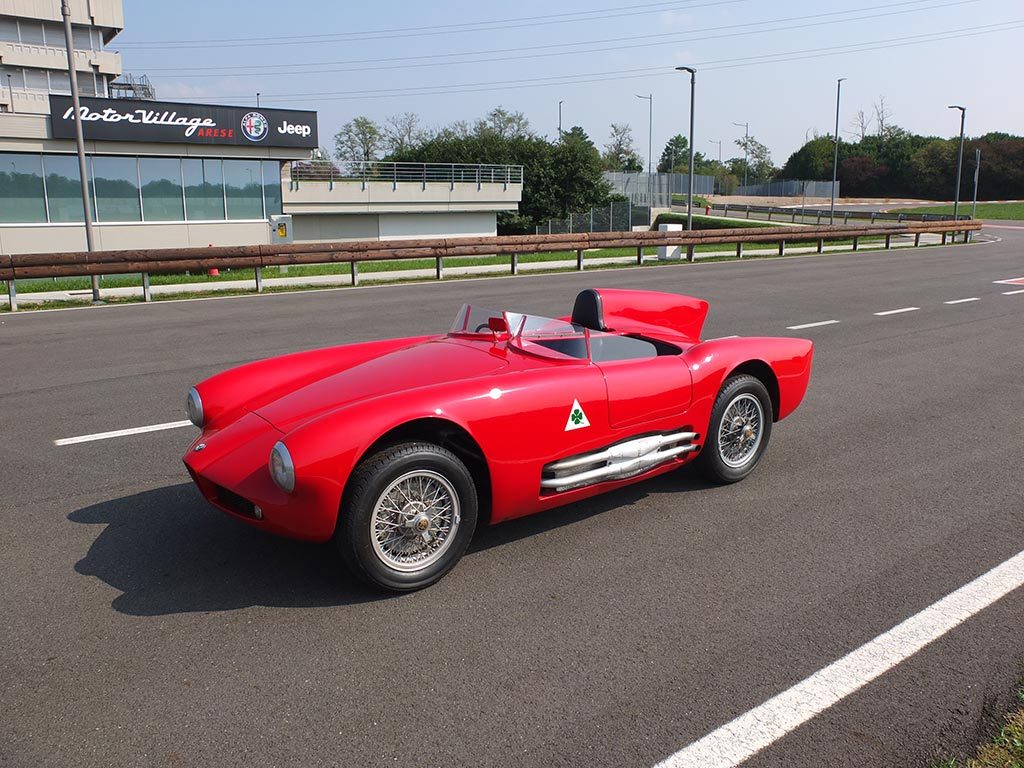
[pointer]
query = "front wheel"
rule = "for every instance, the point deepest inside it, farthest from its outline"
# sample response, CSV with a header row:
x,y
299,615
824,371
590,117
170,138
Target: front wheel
x,y
408,516
739,430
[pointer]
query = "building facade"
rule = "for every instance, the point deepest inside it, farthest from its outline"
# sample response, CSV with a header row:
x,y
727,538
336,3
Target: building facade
x,y
169,174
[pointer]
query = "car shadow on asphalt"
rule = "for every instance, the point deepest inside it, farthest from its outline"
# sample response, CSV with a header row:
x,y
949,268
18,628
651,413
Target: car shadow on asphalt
x,y
167,551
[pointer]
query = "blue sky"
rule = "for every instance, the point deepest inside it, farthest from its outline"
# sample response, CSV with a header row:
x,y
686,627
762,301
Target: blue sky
x,y
770,63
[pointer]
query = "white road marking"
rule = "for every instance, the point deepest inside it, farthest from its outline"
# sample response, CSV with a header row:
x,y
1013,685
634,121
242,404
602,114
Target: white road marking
x,y
748,734
1013,293
896,311
122,433
810,325
962,301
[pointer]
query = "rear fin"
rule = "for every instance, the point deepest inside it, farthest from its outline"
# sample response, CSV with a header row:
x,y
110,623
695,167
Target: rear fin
x,y
626,311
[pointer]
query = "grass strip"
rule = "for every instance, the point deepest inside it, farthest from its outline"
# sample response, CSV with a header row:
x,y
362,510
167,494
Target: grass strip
x,y
985,210
1006,750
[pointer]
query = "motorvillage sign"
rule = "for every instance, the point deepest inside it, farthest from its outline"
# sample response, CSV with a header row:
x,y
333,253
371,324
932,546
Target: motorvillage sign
x,y
171,122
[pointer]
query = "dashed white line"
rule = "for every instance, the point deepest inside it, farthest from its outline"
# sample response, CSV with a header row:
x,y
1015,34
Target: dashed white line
x,y
810,325
122,433
1013,293
962,301
896,311
749,733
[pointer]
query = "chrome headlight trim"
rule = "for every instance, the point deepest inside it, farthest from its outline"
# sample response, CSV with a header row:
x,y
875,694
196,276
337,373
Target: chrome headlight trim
x,y
194,407
282,468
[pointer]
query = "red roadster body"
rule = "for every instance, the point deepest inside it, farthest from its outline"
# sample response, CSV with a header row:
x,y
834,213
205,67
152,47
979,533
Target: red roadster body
x,y
510,415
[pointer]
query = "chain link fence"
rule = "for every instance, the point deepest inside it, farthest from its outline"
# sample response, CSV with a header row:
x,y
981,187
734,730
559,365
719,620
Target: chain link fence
x,y
657,188
788,188
617,216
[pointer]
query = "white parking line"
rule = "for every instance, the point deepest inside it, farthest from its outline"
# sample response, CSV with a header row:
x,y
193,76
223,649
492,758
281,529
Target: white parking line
x,y
896,311
122,433
810,325
962,301
748,734
1013,293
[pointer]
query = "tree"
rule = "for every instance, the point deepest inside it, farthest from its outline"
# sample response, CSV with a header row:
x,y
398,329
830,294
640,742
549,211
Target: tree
x,y
675,154
619,153
759,159
400,132
505,124
812,161
577,173
882,117
358,140
861,124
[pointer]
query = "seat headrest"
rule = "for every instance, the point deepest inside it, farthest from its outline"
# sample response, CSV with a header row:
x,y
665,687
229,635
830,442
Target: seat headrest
x,y
587,310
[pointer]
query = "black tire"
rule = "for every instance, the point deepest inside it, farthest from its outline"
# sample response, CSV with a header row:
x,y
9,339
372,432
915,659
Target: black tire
x,y
711,463
369,482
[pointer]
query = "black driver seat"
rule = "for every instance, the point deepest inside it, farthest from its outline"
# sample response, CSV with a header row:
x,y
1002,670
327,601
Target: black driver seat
x,y
587,310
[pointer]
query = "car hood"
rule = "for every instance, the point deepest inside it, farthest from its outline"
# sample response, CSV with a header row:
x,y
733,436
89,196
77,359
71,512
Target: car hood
x,y
421,365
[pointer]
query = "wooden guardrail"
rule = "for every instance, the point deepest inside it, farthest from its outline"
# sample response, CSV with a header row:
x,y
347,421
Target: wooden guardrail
x,y
83,263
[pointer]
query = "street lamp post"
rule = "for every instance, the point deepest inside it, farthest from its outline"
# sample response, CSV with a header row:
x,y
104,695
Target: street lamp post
x,y
65,10
650,148
959,160
10,89
835,155
746,140
977,172
719,143
560,103
689,180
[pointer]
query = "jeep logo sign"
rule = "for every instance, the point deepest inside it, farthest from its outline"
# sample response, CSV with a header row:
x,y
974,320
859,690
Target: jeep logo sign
x,y
297,130
168,122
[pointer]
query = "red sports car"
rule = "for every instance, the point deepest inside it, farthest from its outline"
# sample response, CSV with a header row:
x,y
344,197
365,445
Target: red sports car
x,y
397,449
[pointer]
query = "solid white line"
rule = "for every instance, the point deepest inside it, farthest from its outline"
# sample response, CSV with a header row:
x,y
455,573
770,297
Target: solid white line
x,y
748,734
897,311
962,301
122,433
810,325
1013,293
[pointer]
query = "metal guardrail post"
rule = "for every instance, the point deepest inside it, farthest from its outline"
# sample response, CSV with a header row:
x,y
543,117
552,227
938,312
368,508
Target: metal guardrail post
x,y
146,294
821,245
793,220
888,242
439,268
689,253
639,255
394,176
748,211
739,250
579,260
12,295
726,214
856,243
782,247
355,273
769,214
424,185
917,239
478,187
515,263
846,218
451,186
259,279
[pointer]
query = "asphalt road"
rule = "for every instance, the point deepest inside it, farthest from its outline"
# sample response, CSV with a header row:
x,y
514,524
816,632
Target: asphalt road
x,y
141,628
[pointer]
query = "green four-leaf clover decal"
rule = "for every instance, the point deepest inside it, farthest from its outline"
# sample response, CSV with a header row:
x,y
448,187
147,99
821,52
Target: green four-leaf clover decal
x,y
577,416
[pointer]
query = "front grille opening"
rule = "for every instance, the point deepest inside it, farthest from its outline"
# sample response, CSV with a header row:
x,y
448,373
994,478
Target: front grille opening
x,y
235,503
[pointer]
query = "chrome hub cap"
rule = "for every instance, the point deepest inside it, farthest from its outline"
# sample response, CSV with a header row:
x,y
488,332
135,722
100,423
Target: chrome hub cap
x,y
414,521
739,435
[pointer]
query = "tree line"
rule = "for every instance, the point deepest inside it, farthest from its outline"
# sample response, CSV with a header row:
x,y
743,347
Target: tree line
x,y
562,176
885,160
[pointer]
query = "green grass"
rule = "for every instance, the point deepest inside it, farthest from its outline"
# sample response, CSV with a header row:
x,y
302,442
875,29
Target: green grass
x,y
698,201
985,210
1006,750
708,222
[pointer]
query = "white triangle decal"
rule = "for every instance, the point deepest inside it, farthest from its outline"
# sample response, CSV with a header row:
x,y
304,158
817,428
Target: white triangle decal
x,y
577,418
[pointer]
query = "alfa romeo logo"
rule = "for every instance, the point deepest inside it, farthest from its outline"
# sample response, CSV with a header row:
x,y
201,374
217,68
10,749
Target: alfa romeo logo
x,y
577,416
255,126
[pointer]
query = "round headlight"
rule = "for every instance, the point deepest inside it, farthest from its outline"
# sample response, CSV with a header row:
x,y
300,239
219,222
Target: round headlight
x,y
282,470
194,406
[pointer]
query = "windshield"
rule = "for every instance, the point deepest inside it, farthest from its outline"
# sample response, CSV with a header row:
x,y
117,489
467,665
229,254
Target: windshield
x,y
537,335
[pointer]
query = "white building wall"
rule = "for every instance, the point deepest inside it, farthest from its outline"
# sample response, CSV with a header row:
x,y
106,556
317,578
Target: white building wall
x,y
415,225
54,238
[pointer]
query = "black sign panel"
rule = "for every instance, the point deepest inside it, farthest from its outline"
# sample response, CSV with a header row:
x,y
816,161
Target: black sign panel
x,y
171,122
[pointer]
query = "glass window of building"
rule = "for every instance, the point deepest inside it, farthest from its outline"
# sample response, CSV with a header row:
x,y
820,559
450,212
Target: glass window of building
x,y
161,189
63,188
116,181
36,79
272,186
243,184
32,33
204,190
17,77
21,189
60,82
8,30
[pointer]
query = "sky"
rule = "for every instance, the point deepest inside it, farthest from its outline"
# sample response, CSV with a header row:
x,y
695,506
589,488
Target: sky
x,y
772,64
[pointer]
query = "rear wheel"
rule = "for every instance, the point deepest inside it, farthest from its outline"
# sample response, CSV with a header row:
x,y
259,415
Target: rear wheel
x,y
739,430
408,516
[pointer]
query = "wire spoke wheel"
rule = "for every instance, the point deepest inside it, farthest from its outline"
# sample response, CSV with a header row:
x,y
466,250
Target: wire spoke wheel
x,y
741,430
415,520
